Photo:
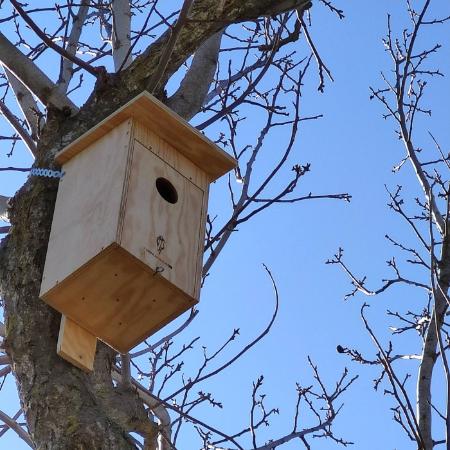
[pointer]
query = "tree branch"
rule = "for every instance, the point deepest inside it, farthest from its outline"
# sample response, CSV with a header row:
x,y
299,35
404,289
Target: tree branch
x,y
32,77
191,36
168,50
49,43
188,99
151,401
18,128
27,104
17,428
243,351
67,64
192,315
121,32
320,64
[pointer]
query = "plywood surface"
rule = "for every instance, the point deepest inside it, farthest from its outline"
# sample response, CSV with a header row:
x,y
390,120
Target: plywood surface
x,y
170,155
119,299
161,234
88,205
169,126
76,345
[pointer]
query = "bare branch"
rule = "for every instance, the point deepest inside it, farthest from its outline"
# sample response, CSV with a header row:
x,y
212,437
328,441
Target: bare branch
x,y
170,45
399,390
15,417
17,428
72,45
18,128
27,103
359,284
243,351
121,32
229,108
64,53
169,337
320,64
32,77
338,12
189,97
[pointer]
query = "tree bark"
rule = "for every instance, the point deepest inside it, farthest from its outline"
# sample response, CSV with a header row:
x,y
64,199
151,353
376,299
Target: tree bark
x,y
429,352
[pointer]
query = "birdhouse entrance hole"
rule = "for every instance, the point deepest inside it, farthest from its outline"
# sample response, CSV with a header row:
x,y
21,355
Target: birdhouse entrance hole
x,y
167,190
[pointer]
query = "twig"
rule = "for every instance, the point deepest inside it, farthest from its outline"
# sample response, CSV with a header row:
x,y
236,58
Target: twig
x,y
407,408
169,337
14,122
96,72
165,57
250,87
320,64
15,417
244,350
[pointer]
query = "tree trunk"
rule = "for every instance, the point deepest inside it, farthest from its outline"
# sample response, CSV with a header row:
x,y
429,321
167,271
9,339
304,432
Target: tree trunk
x,y
63,406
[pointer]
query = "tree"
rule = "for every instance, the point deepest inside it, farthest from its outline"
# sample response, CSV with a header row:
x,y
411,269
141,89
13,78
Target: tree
x,y
406,102
144,45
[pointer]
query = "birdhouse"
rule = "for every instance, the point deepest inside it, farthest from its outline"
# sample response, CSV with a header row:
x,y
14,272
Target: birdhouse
x,y
126,244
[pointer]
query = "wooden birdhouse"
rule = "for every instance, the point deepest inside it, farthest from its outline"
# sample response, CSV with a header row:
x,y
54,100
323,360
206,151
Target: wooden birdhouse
x,y
125,250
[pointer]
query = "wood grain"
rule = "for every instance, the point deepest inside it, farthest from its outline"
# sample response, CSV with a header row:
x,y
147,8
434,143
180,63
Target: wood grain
x,y
163,235
87,206
76,345
169,126
119,299
170,155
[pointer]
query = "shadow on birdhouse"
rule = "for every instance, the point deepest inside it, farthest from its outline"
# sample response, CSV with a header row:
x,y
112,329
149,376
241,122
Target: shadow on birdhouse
x,y
125,250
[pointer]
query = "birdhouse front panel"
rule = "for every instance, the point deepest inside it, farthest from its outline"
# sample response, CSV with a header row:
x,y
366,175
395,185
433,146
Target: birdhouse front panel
x,y
174,216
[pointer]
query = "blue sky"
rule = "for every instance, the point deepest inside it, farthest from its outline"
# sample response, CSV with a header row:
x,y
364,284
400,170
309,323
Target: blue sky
x,y
352,149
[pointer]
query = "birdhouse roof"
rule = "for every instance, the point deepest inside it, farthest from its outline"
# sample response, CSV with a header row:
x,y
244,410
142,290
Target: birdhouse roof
x,y
165,123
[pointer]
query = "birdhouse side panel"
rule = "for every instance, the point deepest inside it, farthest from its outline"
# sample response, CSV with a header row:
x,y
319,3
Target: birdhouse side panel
x,y
171,156
88,204
164,215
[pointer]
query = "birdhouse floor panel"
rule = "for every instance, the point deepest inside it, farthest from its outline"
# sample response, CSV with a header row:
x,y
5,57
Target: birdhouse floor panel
x,y
118,299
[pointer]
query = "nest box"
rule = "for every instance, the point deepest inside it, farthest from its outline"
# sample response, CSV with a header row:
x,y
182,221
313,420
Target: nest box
x,y
125,250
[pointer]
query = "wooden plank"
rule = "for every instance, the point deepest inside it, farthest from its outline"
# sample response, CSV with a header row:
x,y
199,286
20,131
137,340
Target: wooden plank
x,y
169,126
119,299
87,206
163,235
76,345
